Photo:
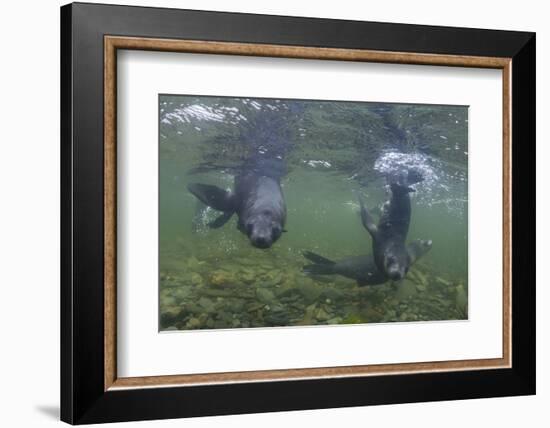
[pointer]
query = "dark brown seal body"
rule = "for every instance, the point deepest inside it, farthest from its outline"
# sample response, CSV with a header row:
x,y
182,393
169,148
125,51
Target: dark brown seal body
x,y
258,201
363,269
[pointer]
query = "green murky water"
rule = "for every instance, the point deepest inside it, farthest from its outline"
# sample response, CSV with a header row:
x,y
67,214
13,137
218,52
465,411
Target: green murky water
x,y
214,278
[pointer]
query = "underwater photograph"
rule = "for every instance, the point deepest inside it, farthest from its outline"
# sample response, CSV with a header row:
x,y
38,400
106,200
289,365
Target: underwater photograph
x,y
290,212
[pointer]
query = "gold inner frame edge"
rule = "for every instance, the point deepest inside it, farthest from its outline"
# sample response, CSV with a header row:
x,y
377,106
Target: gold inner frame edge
x,y
113,43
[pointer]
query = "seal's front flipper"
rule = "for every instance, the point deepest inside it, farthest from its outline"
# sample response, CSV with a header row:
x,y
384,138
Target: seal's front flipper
x,y
213,196
221,220
366,218
417,249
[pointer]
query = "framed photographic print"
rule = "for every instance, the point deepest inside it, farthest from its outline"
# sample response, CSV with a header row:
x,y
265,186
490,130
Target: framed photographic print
x,y
265,213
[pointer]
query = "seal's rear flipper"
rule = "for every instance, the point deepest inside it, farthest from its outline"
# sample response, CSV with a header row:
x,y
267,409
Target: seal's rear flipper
x,y
213,196
366,218
221,220
321,266
316,258
318,269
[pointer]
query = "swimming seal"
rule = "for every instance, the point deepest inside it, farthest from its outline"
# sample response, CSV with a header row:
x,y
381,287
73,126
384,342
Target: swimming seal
x,y
257,199
363,269
388,237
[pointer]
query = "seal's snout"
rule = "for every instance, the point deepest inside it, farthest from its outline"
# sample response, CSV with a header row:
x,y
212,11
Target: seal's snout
x,y
395,275
261,232
396,272
261,242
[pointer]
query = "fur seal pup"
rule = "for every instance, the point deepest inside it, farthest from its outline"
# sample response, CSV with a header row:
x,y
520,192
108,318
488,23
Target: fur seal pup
x,y
257,199
363,269
388,237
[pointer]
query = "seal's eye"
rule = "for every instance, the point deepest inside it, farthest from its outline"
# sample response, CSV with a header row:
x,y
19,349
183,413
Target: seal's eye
x,y
266,212
249,227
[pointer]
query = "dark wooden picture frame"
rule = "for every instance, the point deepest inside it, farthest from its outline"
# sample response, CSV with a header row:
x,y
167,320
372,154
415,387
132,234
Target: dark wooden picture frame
x,y
90,390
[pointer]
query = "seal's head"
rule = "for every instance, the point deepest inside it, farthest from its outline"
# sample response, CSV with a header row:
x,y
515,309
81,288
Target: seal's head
x,y
263,229
396,264
397,259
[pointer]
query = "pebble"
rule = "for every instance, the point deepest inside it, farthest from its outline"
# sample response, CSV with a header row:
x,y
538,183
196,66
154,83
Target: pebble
x,y
322,315
248,278
206,304
333,294
264,295
181,292
309,291
193,323
196,279
421,287
221,278
168,301
442,281
193,263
